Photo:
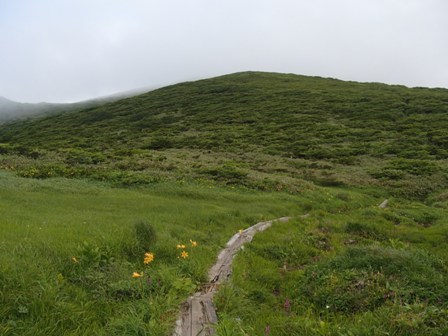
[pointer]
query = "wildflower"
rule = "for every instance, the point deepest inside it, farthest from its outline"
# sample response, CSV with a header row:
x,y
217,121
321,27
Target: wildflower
x,y
240,231
193,243
149,257
75,260
180,246
137,275
184,254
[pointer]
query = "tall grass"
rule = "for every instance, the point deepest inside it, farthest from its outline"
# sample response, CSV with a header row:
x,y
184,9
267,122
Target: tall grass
x,y
348,268
68,250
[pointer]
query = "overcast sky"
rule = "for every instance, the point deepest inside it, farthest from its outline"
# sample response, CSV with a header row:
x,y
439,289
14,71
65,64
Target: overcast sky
x,y
71,50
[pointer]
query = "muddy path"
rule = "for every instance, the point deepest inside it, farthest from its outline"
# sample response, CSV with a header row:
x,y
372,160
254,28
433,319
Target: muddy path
x,y
198,314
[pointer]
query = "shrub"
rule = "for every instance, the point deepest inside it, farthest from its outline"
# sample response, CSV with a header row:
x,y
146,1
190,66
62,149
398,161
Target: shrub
x,y
365,277
426,218
159,143
414,167
363,230
79,156
388,173
145,235
5,148
226,173
42,171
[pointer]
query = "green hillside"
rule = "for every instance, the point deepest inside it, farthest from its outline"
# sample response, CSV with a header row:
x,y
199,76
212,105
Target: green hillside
x,y
84,194
262,130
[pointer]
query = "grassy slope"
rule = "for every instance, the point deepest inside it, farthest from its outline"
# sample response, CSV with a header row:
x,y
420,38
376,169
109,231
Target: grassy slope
x,y
47,222
267,131
339,147
349,268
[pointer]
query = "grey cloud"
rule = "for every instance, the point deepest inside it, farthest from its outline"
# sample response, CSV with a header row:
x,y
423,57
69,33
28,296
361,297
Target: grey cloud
x,y
61,51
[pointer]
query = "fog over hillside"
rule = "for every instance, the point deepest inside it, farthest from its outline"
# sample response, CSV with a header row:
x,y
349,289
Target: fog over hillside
x,y
10,110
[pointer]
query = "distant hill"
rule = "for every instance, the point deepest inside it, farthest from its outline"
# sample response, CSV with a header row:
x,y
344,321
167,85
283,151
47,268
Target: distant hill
x,y
235,127
10,110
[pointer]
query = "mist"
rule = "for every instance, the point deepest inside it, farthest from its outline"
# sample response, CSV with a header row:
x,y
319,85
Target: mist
x,y
68,51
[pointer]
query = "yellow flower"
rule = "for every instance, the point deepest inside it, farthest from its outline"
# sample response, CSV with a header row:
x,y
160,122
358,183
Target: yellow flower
x,y
137,275
149,257
193,243
184,254
75,260
180,246
240,231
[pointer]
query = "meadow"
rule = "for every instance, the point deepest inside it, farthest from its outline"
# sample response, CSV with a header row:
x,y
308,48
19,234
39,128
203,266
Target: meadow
x,y
349,268
69,249
84,195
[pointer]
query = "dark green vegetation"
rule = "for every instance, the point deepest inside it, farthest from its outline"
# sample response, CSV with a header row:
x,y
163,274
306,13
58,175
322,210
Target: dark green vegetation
x,y
230,150
261,130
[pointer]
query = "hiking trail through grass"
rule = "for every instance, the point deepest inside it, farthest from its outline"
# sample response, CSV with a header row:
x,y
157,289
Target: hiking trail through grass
x,y
198,314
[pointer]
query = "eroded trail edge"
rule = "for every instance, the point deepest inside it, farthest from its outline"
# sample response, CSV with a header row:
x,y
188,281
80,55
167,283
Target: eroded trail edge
x,y
198,314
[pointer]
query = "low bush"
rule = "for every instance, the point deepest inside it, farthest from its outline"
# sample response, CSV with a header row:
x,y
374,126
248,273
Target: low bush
x,y
145,235
364,230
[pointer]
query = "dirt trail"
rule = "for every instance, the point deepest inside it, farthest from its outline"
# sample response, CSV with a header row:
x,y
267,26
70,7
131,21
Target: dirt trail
x,y
198,314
